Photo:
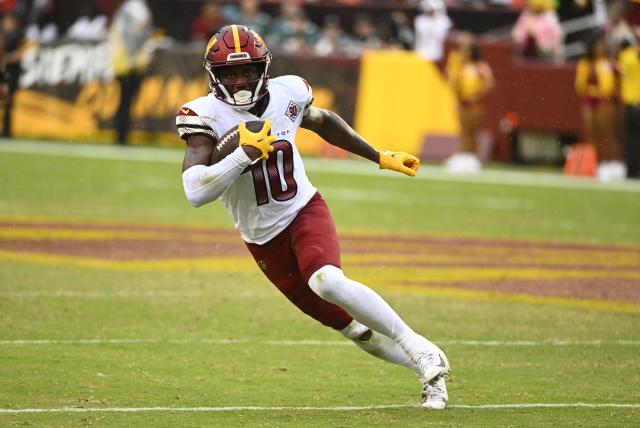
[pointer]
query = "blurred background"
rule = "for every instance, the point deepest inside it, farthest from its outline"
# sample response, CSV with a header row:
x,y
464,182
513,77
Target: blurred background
x,y
458,82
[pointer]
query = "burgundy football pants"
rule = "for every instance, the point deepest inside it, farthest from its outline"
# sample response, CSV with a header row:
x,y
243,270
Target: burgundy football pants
x,y
289,260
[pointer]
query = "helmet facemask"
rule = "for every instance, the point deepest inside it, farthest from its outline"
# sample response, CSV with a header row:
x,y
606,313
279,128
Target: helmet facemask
x,y
249,91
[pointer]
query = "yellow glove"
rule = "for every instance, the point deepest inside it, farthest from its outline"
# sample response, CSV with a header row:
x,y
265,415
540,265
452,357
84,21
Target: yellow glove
x,y
399,161
260,140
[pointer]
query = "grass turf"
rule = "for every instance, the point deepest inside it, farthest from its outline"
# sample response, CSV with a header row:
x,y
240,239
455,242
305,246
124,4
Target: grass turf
x,y
193,305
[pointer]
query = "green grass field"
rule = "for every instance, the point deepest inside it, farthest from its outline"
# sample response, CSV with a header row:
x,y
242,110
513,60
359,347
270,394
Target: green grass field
x,y
117,336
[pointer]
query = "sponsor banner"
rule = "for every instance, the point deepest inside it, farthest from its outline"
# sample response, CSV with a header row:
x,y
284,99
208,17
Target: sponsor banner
x,y
67,92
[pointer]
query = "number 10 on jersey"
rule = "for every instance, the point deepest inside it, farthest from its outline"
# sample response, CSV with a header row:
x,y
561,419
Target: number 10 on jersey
x,y
279,172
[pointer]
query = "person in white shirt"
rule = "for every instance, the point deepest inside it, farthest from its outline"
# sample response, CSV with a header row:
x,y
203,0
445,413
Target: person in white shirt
x,y
431,29
280,215
130,41
91,25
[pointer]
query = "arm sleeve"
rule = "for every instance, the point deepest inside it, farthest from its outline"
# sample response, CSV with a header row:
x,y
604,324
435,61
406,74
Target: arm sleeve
x,y
308,98
188,122
301,94
203,184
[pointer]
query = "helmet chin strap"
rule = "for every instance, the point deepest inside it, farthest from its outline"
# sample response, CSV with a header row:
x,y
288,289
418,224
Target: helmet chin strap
x,y
245,96
243,108
242,97
241,100
239,97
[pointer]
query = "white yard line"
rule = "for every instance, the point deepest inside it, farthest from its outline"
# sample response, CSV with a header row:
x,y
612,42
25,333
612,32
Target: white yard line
x,y
101,294
118,341
355,194
487,343
349,166
319,408
92,151
546,406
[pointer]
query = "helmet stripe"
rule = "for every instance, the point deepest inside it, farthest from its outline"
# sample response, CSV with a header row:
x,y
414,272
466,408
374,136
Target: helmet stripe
x,y
236,38
212,42
257,36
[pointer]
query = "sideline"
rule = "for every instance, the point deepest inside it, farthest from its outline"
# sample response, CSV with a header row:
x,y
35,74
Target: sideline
x,y
486,343
344,166
322,408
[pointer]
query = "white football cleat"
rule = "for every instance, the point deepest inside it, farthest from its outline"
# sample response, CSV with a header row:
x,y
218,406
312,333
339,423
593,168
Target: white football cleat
x,y
426,356
434,396
433,364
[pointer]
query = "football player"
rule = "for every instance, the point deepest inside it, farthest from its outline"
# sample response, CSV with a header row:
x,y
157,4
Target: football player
x,y
280,215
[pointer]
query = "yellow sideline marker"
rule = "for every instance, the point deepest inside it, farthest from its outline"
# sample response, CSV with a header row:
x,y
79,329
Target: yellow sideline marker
x,y
381,276
44,233
423,253
523,257
206,264
449,274
457,293
247,265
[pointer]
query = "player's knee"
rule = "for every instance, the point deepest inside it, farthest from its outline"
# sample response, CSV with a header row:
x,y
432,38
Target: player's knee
x,y
326,282
356,331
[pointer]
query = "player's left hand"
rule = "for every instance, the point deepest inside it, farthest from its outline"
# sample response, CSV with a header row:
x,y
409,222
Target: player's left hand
x,y
399,161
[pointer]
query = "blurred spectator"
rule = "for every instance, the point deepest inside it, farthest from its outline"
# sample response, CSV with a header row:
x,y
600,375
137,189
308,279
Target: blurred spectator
x,y
470,4
599,8
538,33
596,86
471,79
91,25
633,16
248,14
41,27
4,76
431,28
332,40
7,6
455,58
295,34
208,22
364,33
402,35
618,29
130,37
287,12
629,63
13,41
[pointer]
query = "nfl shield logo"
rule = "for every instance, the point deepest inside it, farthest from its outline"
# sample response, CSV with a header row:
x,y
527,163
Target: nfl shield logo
x,y
292,111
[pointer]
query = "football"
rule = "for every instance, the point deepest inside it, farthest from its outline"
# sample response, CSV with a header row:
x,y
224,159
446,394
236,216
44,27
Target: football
x,y
231,139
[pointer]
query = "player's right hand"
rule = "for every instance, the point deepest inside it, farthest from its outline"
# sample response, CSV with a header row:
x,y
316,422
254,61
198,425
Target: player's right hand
x,y
261,140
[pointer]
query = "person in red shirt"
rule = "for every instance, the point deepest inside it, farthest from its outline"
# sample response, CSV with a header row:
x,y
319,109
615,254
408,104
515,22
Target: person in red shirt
x,y
208,22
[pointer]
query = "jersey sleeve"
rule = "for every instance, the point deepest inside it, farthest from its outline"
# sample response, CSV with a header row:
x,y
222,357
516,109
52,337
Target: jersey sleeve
x,y
188,123
307,105
300,92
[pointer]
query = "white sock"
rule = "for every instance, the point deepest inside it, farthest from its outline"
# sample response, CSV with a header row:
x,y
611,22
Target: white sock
x,y
361,302
378,345
410,342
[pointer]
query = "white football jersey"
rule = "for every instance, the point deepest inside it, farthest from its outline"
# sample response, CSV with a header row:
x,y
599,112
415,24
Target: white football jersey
x,y
264,200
